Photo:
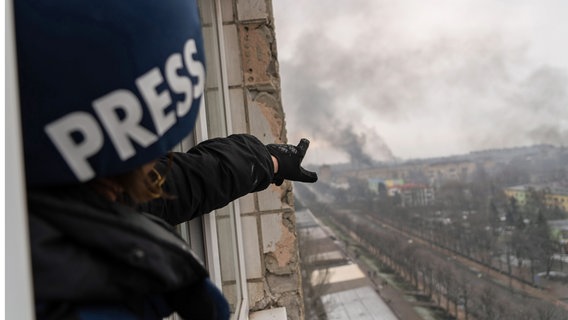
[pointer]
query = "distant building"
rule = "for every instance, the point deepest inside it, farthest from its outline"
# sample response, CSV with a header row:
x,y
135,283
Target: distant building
x,y
411,194
374,184
553,196
414,195
558,197
519,193
457,170
345,291
559,229
391,183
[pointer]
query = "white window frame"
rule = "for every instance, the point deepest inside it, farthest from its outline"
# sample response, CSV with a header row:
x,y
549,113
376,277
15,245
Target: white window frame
x,y
211,243
19,300
209,222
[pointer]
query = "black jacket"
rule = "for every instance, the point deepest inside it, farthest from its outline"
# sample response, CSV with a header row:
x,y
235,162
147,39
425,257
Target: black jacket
x,y
86,249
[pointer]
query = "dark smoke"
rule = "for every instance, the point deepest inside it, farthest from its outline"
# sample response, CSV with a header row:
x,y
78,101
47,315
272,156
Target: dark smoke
x,y
481,82
352,144
320,116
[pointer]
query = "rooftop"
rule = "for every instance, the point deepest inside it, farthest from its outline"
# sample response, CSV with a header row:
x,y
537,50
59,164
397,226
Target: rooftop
x,y
357,304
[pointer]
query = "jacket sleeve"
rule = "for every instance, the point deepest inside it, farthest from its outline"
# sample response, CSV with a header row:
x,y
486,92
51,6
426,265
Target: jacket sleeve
x,y
210,175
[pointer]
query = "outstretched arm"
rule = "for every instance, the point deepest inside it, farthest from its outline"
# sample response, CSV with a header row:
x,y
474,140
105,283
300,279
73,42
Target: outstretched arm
x,y
220,170
210,175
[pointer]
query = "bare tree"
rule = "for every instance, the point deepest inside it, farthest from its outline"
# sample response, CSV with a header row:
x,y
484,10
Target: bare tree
x,y
488,304
465,291
545,311
446,278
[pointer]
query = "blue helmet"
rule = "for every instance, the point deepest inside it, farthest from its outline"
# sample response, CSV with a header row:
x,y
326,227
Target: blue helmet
x,y
106,85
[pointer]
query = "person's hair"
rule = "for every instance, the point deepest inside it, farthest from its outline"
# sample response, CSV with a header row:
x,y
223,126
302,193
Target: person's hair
x,y
136,186
140,187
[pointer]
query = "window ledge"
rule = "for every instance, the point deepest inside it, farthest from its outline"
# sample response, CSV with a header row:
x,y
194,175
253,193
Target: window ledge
x,y
270,314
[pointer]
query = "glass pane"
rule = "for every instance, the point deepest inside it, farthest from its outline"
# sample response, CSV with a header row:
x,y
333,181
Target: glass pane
x,y
191,231
215,107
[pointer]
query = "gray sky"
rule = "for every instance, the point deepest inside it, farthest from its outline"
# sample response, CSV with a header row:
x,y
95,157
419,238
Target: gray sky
x,y
419,78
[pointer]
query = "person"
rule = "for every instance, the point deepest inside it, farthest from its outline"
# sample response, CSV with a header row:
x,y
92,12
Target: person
x,y
107,88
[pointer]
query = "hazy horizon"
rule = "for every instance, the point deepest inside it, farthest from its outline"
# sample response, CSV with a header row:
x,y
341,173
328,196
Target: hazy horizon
x,y
419,79
346,161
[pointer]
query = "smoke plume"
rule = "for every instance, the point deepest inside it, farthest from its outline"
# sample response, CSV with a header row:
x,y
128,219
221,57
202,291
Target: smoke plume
x,y
368,73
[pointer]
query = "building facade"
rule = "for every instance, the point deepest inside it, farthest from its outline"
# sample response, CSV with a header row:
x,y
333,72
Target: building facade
x,y
250,246
554,197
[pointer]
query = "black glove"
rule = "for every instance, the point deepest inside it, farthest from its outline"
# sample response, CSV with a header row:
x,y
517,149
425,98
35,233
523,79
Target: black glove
x,y
289,162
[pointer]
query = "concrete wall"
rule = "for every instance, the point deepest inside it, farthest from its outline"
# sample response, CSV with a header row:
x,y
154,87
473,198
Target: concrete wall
x,y
268,218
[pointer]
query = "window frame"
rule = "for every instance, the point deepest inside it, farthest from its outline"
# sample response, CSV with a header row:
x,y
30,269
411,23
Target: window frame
x,y
203,131
18,273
